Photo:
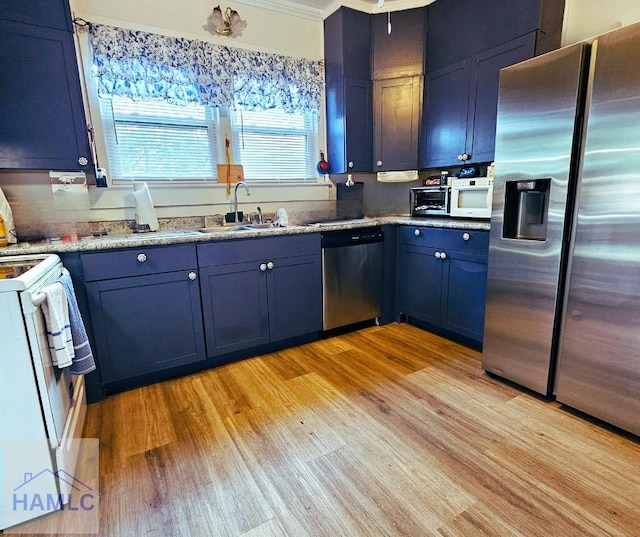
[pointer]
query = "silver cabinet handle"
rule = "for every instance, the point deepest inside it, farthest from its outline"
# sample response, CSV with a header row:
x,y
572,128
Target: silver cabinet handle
x,y
443,255
142,258
438,255
417,232
350,164
270,265
83,161
466,236
463,156
193,276
379,163
263,267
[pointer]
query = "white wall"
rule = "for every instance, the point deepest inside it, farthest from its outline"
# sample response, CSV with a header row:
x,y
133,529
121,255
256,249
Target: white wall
x,y
587,18
294,34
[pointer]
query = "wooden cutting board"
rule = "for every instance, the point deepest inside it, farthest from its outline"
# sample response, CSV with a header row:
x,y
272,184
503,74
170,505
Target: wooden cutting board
x,y
234,173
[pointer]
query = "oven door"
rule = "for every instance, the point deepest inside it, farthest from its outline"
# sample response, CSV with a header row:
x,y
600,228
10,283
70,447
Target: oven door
x,y
62,394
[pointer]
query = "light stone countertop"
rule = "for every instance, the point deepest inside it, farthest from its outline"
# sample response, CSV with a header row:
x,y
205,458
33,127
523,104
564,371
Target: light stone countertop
x,y
167,237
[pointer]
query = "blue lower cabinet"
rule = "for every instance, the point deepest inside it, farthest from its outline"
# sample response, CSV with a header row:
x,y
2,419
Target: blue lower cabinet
x,y
295,297
442,277
259,291
234,299
146,324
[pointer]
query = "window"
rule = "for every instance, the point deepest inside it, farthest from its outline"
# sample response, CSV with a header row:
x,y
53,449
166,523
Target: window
x,y
157,140
274,146
154,140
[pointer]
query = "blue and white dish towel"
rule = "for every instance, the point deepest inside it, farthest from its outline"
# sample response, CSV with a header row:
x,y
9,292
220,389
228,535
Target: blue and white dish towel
x,y
68,341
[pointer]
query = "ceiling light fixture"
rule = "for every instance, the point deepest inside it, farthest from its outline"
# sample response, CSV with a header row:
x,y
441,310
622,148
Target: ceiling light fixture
x,y
228,23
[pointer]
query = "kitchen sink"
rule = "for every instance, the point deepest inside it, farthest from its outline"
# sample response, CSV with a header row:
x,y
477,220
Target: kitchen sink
x,y
239,227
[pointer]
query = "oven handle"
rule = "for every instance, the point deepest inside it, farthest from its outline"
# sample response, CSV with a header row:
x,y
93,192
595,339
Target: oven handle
x,y
39,298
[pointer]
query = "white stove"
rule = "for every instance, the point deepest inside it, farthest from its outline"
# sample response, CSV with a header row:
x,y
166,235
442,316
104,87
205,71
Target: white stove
x,y
42,407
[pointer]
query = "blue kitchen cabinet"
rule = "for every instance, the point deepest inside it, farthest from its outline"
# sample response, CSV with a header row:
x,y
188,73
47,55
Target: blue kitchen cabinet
x,y
349,125
401,52
397,111
463,70
460,29
398,78
41,106
444,123
442,279
145,310
347,50
259,291
460,105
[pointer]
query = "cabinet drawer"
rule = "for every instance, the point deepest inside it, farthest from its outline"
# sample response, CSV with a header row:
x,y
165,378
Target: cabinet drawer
x,y
452,239
241,251
138,262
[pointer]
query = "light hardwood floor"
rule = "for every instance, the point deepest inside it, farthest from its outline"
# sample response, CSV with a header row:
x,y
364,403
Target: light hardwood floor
x,y
387,431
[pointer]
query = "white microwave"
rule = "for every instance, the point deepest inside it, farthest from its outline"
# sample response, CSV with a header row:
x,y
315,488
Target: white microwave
x,y
471,198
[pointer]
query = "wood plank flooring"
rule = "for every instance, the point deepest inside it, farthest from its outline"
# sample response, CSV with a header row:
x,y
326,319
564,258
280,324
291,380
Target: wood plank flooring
x,y
388,431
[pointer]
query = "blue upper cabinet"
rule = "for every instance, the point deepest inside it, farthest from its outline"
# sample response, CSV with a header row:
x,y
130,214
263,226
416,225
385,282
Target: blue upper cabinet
x,y
347,51
46,13
41,106
347,44
401,52
463,70
397,72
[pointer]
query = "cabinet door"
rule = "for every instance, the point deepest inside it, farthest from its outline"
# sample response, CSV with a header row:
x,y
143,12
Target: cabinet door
x,y
347,45
420,283
295,297
234,301
43,122
465,281
454,32
446,104
47,13
400,53
483,103
146,324
349,126
397,109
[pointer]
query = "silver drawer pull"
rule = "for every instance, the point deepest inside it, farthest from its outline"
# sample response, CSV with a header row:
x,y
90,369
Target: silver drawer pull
x,y
193,276
142,258
466,236
263,267
270,265
417,232
438,255
443,255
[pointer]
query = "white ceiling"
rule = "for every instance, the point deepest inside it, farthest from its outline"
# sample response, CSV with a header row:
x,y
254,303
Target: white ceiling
x,y
319,9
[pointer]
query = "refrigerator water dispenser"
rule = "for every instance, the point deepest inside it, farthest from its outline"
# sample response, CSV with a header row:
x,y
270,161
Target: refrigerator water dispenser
x,y
526,209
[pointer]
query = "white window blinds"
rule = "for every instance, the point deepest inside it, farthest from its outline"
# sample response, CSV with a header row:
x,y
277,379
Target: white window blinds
x,y
155,140
274,146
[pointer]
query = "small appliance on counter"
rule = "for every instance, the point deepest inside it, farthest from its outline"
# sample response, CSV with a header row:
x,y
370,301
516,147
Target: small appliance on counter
x,y
429,200
471,198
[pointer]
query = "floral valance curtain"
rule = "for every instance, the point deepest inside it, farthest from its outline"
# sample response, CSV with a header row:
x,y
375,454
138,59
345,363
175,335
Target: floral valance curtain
x,y
146,66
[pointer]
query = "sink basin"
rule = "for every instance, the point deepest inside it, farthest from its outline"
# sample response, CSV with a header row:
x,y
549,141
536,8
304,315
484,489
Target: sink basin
x,y
239,227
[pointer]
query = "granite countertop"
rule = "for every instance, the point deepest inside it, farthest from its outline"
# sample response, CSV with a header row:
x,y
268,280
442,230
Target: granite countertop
x,y
165,237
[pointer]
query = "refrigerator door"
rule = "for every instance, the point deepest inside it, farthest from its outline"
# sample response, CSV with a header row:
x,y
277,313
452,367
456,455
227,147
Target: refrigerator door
x,y
537,140
599,362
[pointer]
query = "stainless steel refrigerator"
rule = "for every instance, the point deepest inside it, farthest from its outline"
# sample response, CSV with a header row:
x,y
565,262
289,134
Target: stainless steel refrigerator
x,y
563,288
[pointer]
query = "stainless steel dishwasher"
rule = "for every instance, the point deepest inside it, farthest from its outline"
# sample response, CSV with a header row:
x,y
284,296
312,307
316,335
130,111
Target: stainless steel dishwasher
x,y
352,264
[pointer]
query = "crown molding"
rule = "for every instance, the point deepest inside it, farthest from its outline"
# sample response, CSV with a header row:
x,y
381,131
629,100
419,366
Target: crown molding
x,y
316,14
288,8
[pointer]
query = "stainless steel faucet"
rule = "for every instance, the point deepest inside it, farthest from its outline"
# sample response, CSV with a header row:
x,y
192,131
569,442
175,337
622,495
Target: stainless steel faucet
x,y
235,197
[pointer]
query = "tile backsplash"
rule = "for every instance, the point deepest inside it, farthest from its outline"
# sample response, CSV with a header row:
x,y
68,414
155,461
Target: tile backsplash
x,y
37,213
